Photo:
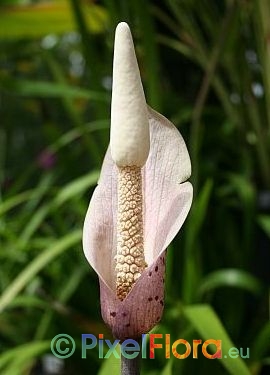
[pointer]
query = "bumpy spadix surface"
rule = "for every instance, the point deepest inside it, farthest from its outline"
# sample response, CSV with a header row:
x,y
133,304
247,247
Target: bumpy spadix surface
x,y
167,200
130,261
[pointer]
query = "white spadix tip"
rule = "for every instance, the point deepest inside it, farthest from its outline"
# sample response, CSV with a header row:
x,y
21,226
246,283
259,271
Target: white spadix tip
x,y
130,139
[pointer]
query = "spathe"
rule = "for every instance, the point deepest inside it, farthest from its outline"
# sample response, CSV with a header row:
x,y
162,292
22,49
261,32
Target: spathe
x,y
167,200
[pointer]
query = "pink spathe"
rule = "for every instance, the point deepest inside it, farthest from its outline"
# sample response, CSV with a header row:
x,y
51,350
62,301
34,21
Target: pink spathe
x,y
167,200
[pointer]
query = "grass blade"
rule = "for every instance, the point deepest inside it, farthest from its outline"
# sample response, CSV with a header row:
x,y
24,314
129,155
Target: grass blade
x,y
207,324
37,265
232,278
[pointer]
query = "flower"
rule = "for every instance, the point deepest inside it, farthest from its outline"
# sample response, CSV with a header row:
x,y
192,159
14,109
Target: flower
x,y
139,205
46,159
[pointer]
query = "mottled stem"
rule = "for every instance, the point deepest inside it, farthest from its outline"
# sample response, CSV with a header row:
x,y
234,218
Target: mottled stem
x,y
130,366
130,260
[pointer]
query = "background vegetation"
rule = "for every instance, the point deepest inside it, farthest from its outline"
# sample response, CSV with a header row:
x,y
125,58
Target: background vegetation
x,y
206,66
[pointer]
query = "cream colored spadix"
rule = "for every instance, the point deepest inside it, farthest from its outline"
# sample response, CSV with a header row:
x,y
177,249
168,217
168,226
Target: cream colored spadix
x,y
130,139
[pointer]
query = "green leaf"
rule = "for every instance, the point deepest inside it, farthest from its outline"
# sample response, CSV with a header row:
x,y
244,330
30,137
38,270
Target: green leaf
x,y
264,221
71,190
230,278
44,89
41,19
243,188
37,265
77,187
207,324
14,201
261,344
111,365
191,272
168,368
76,133
28,301
198,213
32,225
26,352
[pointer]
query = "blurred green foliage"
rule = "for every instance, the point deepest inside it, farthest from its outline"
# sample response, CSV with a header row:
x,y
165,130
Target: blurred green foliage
x,y
206,66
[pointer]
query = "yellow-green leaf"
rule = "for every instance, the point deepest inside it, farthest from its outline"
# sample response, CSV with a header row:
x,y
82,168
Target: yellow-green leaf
x,y
50,17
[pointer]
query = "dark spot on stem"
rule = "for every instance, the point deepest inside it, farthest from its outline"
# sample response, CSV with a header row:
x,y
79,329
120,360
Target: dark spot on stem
x,y
150,299
161,302
128,325
156,268
113,314
156,298
150,274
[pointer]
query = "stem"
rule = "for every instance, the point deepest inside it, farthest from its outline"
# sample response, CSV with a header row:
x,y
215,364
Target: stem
x,y
262,150
130,366
150,52
204,90
263,33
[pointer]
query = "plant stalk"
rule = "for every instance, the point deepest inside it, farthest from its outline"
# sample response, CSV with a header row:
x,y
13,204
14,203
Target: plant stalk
x,y
204,90
131,366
